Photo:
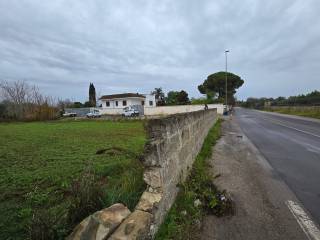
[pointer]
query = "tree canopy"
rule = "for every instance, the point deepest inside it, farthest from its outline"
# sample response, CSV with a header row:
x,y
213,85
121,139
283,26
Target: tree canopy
x,y
160,96
177,98
214,86
309,99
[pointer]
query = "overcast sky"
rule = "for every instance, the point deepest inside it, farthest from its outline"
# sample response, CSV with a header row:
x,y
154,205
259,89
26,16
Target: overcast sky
x,y
135,46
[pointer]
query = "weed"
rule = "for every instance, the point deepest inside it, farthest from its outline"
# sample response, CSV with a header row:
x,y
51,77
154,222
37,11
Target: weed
x,y
86,197
45,225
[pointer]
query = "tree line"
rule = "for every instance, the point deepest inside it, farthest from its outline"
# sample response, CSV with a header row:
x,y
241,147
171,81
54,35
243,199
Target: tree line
x,y
172,97
309,99
21,101
213,87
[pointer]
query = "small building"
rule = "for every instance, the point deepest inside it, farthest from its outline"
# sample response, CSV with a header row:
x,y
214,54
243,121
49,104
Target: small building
x,y
114,103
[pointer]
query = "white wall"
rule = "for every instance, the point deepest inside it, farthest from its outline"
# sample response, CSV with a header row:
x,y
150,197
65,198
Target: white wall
x,y
130,101
134,101
167,110
150,97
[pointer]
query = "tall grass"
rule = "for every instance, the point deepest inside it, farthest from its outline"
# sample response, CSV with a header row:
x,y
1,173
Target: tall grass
x,y
304,111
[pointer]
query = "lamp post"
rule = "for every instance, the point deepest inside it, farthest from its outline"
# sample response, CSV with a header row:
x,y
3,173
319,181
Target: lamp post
x,y
226,53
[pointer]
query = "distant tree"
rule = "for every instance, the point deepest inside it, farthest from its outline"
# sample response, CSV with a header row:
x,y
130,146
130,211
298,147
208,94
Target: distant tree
x,y
62,104
201,100
3,110
77,105
171,98
160,96
88,104
92,96
177,98
25,102
205,100
183,98
214,86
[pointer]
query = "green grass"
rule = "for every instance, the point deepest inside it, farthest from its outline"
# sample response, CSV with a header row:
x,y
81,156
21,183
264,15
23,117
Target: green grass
x,y
40,161
183,217
312,112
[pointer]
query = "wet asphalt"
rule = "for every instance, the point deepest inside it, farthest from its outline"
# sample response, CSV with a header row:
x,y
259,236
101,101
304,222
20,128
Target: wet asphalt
x,y
291,145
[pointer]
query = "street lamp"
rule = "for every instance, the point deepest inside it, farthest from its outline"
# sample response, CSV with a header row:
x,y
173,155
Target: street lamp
x,y
226,53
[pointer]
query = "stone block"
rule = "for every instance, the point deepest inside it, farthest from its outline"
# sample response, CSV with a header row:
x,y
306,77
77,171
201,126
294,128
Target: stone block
x,y
136,226
152,177
151,156
149,201
101,224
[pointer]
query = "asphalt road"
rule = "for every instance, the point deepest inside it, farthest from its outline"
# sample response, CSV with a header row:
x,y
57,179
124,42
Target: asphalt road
x,y
292,147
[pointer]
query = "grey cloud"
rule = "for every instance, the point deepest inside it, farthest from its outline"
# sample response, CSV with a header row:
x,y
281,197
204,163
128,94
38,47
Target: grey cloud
x,y
137,45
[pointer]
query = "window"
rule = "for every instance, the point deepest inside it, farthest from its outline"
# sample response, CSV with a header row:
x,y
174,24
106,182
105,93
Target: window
x,y
117,103
142,103
124,103
107,104
150,103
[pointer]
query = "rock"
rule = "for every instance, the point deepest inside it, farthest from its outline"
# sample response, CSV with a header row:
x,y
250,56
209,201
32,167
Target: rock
x,y
148,201
136,226
152,177
101,224
197,203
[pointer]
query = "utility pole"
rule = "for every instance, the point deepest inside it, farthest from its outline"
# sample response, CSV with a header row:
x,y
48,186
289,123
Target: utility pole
x,y
226,53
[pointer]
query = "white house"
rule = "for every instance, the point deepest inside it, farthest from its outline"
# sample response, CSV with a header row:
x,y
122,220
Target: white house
x,y
113,104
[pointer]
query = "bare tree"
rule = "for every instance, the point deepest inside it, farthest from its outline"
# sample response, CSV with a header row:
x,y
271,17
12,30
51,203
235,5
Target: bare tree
x,y
16,94
25,102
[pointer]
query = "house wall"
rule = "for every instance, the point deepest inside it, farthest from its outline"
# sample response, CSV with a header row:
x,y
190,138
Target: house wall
x,y
136,101
149,98
130,101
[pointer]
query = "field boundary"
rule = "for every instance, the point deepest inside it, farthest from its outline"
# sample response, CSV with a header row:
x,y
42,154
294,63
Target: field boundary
x,y
172,146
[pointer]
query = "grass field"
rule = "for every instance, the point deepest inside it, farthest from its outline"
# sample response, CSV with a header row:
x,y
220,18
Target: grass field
x,y
43,165
313,112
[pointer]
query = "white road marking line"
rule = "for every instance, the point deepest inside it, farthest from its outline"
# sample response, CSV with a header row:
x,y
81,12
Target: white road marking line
x,y
307,225
299,130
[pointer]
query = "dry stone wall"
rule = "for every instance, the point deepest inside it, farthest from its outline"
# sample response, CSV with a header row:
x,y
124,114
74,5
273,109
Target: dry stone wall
x,y
173,144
